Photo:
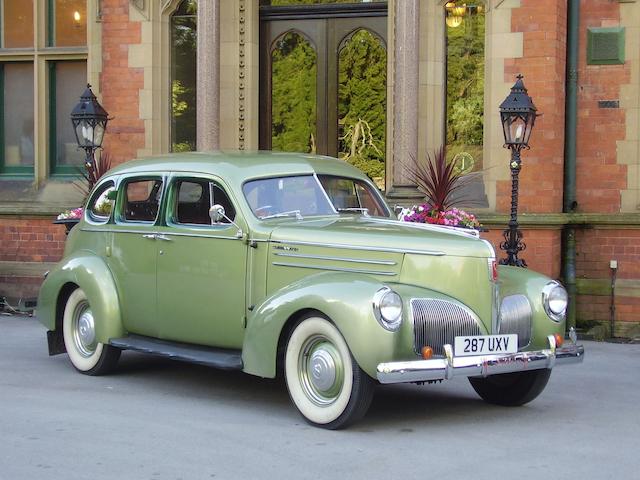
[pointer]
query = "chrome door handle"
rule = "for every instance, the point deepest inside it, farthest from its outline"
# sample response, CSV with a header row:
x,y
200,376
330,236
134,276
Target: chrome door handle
x,y
164,238
150,236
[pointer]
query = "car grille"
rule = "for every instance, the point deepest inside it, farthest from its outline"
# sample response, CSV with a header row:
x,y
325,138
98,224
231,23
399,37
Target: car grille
x,y
515,317
438,322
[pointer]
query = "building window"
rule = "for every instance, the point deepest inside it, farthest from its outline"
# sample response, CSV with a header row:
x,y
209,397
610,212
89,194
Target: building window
x,y
66,79
35,140
16,135
17,24
67,23
465,34
183,76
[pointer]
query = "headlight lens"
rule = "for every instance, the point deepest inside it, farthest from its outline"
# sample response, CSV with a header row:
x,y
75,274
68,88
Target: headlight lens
x,y
387,308
555,300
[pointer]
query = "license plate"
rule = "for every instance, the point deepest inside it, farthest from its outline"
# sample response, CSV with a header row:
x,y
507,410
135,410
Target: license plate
x,y
486,344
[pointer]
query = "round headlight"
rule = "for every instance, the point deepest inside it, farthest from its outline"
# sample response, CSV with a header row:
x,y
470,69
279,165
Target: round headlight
x,y
555,300
387,308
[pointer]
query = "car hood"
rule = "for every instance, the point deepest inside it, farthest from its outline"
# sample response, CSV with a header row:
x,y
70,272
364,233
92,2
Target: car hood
x,y
376,234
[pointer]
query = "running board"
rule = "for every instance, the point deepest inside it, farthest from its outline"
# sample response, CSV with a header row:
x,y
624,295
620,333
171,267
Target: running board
x,y
212,357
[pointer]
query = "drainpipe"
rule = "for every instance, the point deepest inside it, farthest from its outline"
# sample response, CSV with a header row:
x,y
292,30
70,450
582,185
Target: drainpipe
x,y
570,133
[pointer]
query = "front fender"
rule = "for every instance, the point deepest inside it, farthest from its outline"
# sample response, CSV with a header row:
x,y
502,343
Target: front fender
x,y
345,298
92,275
516,280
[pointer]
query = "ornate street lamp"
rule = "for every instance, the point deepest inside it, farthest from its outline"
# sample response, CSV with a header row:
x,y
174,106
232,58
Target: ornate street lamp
x,y
89,121
517,114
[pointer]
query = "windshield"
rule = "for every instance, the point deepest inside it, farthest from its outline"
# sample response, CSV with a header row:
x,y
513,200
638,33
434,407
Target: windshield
x,y
295,196
308,195
349,195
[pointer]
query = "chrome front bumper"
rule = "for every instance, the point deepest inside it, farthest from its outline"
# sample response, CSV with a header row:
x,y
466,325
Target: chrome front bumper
x,y
478,366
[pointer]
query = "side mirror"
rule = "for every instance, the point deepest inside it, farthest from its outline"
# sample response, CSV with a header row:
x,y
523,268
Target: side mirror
x,y
217,213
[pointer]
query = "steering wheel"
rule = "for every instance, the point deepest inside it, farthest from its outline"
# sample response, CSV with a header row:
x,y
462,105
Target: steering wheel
x,y
263,210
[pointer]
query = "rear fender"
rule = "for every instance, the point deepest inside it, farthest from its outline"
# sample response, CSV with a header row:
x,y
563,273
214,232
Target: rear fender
x,y
91,274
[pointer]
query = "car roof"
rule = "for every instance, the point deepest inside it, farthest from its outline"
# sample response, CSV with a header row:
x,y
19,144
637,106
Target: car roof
x,y
240,166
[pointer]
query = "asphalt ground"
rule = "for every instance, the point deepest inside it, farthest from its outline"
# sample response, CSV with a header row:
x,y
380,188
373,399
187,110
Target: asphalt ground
x,y
159,419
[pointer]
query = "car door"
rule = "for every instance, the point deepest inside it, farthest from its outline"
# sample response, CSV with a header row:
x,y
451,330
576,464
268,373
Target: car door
x,y
134,252
201,266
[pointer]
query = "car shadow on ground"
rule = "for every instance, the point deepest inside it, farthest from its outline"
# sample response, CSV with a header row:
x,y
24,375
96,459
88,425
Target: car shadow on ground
x,y
392,406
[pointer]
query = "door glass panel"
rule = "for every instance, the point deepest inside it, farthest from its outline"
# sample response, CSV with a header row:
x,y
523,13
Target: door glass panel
x,y
293,96
183,77
362,103
142,200
465,24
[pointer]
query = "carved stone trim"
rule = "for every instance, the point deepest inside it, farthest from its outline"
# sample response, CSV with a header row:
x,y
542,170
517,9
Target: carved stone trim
x,y
141,6
242,72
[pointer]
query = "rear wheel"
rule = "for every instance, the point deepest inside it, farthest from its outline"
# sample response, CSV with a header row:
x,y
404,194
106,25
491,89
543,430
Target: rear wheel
x,y
511,389
324,381
87,355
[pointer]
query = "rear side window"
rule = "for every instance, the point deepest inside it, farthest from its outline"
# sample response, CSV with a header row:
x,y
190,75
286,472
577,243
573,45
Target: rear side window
x,y
194,198
142,200
101,204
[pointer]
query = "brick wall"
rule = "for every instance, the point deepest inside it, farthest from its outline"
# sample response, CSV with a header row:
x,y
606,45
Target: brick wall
x,y
31,240
120,84
599,178
543,23
542,253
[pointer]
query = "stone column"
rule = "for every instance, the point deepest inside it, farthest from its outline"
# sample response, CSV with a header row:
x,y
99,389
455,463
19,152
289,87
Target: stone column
x,y
208,76
405,92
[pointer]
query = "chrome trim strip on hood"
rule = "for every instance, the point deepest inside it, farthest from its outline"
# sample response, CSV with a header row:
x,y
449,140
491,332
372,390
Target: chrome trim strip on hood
x,y
337,259
435,253
334,269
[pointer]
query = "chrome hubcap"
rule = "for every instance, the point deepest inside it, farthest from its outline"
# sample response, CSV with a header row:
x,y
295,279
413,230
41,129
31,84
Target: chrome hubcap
x,y
84,332
321,371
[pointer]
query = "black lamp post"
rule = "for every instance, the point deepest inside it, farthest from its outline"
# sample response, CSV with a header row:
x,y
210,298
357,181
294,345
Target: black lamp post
x,y
89,121
518,114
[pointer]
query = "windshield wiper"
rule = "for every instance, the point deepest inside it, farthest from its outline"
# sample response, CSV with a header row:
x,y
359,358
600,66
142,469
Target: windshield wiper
x,y
364,211
284,214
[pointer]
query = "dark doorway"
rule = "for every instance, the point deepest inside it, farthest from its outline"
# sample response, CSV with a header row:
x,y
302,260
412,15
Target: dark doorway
x,y
323,81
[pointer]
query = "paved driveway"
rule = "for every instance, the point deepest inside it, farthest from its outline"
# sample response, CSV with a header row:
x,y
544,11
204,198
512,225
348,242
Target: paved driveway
x,y
158,419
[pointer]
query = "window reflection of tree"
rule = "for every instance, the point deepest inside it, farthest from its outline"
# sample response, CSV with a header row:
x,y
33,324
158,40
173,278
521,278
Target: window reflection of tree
x,y
183,77
465,27
362,102
293,96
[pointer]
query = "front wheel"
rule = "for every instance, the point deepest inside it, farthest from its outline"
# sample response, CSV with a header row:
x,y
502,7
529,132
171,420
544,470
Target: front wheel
x,y
324,381
511,389
87,355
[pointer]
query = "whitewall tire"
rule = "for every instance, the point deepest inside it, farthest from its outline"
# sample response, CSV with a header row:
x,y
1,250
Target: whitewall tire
x,y
324,381
87,355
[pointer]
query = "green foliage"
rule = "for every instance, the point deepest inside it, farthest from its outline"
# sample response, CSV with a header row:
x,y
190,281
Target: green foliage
x,y
465,80
293,96
362,102
183,75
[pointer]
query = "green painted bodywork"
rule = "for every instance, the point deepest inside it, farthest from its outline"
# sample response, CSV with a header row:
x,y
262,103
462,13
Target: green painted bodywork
x,y
213,285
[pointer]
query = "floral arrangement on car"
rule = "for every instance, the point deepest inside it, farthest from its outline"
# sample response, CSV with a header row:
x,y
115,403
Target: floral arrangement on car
x,y
427,213
73,214
443,186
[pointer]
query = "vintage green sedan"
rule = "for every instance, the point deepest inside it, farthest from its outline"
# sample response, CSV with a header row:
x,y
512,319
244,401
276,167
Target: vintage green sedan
x,y
292,264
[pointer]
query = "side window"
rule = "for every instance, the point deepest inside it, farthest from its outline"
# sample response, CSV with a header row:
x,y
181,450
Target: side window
x,y
193,200
100,205
142,200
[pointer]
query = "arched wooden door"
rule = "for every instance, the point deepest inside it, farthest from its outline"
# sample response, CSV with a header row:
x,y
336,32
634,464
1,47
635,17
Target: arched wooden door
x,y
302,102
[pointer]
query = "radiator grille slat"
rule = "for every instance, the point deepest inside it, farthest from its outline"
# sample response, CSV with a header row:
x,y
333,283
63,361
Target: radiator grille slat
x,y
438,322
515,317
